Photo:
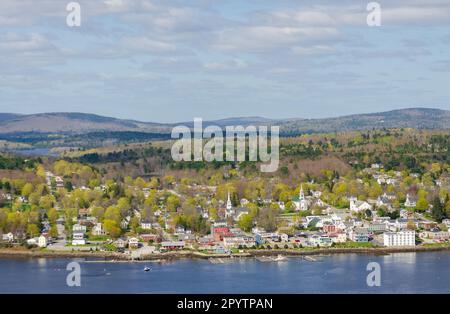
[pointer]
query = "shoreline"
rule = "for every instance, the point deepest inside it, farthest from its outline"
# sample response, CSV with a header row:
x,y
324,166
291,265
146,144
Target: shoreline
x,y
120,257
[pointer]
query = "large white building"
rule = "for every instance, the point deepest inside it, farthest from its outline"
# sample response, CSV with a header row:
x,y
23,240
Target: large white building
x,y
401,238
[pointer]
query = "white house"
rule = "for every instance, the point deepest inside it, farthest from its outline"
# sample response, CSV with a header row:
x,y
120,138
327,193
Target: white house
x,y
401,238
146,224
98,229
42,241
339,237
78,227
59,182
244,202
410,201
78,238
358,206
133,242
8,237
32,241
284,237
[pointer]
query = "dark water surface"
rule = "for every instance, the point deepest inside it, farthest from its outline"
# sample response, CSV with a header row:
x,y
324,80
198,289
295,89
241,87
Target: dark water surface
x,y
425,272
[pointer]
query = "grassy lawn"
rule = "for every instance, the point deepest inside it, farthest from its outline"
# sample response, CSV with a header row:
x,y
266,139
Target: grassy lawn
x,y
354,245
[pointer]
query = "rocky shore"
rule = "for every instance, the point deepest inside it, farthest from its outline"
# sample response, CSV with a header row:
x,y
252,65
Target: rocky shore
x,y
113,256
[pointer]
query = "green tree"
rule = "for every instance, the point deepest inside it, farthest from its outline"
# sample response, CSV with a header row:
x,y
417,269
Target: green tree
x,y
422,204
54,231
437,212
32,230
27,189
112,228
52,215
246,222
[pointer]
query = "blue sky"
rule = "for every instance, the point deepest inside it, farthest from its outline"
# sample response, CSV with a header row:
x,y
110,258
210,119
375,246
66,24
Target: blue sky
x,y
170,61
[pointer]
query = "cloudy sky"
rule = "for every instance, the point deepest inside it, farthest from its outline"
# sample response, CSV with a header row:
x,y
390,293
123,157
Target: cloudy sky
x,y
171,60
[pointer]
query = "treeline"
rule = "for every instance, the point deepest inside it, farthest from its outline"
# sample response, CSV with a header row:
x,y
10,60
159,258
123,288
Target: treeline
x,y
13,163
125,136
126,155
31,137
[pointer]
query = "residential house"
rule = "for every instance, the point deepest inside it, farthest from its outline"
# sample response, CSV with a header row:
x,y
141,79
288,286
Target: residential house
x,y
8,237
78,237
410,201
376,227
133,243
320,240
338,237
42,241
358,206
59,182
436,235
359,235
149,237
120,243
328,227
98,229
83,212
78,227
146,224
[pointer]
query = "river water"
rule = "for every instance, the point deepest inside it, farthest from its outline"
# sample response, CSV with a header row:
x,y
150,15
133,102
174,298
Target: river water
x,y
424,272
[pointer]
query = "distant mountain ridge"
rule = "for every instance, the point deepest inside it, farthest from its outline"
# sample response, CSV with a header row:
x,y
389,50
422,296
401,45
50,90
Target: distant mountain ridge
x,y
420,118
82,123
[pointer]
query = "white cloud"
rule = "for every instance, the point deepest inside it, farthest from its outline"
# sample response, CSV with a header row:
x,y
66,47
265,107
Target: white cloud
x,y
14,43
146,44
260,38
313,50
235,64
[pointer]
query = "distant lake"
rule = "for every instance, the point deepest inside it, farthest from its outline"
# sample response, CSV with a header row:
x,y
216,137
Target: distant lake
x,y
425,272
35,152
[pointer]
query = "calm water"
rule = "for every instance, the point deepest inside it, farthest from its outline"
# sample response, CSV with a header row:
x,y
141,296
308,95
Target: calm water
x,y
400,273
35,152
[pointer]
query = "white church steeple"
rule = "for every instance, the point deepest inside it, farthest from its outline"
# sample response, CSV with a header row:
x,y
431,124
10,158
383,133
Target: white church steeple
x,y
229,205
302,194
229,209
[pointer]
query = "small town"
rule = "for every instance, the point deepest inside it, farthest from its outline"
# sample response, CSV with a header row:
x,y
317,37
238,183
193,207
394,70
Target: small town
x,y
167,215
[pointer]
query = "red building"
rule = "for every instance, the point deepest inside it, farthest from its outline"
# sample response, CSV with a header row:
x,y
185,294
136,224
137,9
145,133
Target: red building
x,y
219,232
329,228
150,237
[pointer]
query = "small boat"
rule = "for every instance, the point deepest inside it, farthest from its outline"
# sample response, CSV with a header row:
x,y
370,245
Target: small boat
x,y
147,268
280,258
310,259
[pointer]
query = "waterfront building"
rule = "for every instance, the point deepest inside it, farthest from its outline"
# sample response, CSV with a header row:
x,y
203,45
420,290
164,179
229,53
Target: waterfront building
x,y
78,238
359,235
238,241
172,245
401,238
42,241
